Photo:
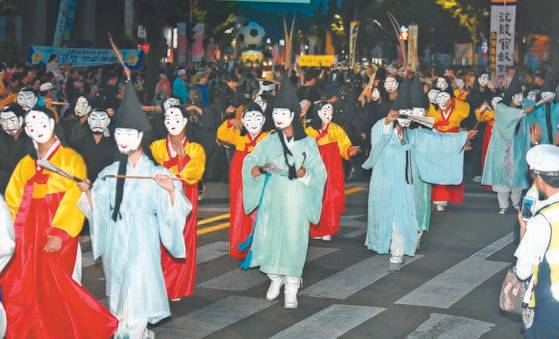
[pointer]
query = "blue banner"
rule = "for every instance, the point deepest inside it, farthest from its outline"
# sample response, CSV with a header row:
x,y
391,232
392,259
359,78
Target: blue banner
x,y
84,57
64,21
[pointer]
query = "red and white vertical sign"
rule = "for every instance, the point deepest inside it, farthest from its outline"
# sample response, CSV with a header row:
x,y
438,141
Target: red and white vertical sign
x,y
503,18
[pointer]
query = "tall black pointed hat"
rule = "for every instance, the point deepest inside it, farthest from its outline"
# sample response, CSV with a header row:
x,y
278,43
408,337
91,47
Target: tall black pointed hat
x,y
549,83
130,113
514,88
286,97
418,96
403,100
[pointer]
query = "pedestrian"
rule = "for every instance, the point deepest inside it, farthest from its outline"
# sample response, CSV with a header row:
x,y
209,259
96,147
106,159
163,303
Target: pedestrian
x,y
180,86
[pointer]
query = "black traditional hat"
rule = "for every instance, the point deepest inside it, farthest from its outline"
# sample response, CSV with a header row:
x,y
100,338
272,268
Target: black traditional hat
x,y
418,96
286,97
514,88
403,100
130,113
549,84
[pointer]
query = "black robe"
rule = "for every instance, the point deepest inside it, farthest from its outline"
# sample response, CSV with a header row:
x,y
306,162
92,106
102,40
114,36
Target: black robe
x,y
97,156
11,152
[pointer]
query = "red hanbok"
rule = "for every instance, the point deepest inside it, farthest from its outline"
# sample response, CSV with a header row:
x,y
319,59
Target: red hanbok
x,y
41,299
180,274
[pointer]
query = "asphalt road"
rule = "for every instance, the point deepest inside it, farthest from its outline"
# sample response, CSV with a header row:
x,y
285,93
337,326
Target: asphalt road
x,y
449,290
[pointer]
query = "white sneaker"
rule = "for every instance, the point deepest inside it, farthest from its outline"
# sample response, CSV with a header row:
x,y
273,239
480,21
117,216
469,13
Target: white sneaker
x,y
477,179
440,208
395,263
327,238
276,283
291,288
503,211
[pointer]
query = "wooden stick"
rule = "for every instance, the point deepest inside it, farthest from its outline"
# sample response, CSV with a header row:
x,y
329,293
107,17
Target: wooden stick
x,y
136,177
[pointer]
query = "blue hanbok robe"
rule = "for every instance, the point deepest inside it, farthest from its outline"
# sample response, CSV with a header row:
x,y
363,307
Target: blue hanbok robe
x,y
436,158
499,161
130,247
522,142
286,208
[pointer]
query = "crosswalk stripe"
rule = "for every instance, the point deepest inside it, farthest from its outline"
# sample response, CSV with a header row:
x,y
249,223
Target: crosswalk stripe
x,y
459,280
239,280
353,279
443,326
211,251
349,221
331,322
212,318
354,234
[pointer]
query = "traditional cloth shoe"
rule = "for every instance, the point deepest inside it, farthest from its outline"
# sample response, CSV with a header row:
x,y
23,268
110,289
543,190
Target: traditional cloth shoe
x,y
327,238
395,263
440,208
503,211
276,283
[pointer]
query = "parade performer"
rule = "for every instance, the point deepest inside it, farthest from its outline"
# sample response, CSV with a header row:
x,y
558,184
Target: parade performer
x,y
499,161
486,113
450,114
26,98
399,157
6,251
40,296
284,178
97,146
75,126
333,145
13,141
186,160
244,135
133,207
461,92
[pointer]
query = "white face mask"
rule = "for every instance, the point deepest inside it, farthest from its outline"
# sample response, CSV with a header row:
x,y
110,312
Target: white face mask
x,y
282,117
253,122
261,102
418,112
532,96
170,102
391,84
325,113
548,96
442,99
82,107
27,100
10,122
483,79
98,121
39,126
432,95
442,84
517,99
375,94
128,140
495,101
175,122
460,84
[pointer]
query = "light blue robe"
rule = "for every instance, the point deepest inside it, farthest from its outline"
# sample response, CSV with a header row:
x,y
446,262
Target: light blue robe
x,y
499,161
130,247
436,158
281,230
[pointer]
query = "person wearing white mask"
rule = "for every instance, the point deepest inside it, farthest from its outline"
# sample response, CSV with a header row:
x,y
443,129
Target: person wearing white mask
x,y
283,173
39,281
334,147
26,99
13,141
243,135
499,161
75,126
186,160
130,220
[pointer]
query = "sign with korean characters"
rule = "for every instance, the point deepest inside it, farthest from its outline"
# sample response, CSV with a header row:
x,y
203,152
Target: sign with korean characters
x,y
317,60
503,18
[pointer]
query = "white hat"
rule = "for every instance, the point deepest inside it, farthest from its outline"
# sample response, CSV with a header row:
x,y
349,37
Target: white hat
x,y
47,86
181,72
544,159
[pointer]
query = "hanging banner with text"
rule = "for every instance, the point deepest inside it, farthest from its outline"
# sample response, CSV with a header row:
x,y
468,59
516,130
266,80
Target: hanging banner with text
x,y
503,18
84,57
64,22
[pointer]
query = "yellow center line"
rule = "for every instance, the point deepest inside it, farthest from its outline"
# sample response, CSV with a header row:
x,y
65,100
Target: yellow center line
x,y
225,225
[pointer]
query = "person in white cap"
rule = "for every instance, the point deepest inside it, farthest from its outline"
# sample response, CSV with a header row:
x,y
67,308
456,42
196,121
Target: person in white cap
x,y
46,98
6,251
538,252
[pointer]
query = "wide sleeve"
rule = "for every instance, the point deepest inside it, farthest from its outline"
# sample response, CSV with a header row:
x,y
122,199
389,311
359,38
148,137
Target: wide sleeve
x,y
486,115
344,144
315,186
380,136
68,217
439,156
253,186
193,171
99,213
228,134
159,151
6,235
15,188
171,217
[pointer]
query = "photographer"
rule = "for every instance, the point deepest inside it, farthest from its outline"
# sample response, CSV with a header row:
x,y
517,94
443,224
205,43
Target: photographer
x,y
538,251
